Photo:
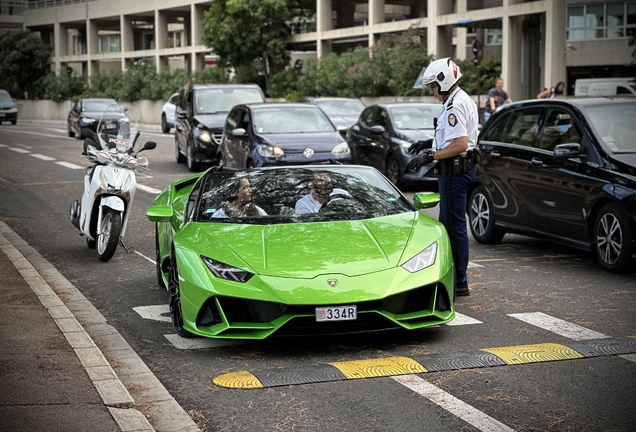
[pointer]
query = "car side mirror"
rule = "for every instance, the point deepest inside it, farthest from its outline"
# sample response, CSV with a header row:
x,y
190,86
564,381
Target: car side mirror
x,y
239,132
425,200
181,114
568,150
377,130
159,213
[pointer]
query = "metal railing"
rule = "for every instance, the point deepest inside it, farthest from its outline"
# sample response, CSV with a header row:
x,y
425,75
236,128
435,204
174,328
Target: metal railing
x,y
40,4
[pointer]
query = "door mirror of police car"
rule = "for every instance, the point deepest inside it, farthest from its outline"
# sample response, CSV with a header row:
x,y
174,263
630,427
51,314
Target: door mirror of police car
x,y
377,129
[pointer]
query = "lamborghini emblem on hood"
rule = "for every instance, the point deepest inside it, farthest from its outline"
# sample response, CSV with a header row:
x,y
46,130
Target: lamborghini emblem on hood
x,y
332,282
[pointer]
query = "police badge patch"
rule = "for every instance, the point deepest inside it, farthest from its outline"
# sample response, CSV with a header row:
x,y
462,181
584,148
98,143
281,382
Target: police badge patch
x,y
452,120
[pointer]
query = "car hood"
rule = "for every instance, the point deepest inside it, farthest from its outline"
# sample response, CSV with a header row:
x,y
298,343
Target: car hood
x,y
316,140
7,104
415,135
347,121
625,162
211,121
307,250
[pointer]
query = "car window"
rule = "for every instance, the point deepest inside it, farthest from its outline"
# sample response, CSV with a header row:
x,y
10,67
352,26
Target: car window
x,y
413,117
5,96
367,117
173,99
245,121
98,105
281,120
523,126
351,107
495,131
233,120
215,100
380,117
362,194
559,128
615,125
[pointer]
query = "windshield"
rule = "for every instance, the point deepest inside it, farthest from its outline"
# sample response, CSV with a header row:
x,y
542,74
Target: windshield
x,y
283,120
351,107
615,125
414,116
100,106
216,100
119,131
5,97
290,195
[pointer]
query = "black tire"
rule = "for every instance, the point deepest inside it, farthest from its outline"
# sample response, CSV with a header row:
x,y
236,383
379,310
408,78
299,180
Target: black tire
x,y
70,131
108,239
193,165
165,128
175,299
611,238
177,154
392,171
160,281
14,121
481,215
249,164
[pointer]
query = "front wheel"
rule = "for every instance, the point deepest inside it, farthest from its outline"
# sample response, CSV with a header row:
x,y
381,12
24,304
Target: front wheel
x,y
177,154
392,171
482,218
108,239
193,165
174,290
611,238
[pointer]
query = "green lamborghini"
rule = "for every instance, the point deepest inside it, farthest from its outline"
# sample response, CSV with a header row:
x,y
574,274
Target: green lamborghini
x,y
297,250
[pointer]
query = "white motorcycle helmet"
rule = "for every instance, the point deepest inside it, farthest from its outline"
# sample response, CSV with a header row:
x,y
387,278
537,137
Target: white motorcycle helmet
x,y
443,71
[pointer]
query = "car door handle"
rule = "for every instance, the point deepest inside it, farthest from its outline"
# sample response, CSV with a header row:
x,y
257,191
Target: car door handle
x,y
535,161
495,155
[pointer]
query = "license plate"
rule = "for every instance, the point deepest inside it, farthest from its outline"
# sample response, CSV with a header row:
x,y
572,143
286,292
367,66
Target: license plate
x,y
336,313
111,125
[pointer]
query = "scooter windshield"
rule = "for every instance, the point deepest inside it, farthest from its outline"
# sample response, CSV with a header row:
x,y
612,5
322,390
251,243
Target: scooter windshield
x,y
118,130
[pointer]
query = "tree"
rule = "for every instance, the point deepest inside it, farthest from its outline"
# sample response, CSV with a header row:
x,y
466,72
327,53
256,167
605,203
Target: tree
x,y
248,34
24,59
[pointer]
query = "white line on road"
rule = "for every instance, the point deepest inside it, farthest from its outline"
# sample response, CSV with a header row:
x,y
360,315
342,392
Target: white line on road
x,y
144,256
19,150
558,326
155,313
3,145
473,265
200,343
41,134
450,403
148,189
70,165
43,157
461,319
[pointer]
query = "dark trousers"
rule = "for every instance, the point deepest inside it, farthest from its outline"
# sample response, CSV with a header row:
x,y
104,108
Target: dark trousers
x,y
452,214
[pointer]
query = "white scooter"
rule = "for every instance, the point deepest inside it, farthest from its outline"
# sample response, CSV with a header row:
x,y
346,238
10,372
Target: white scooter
x,y
110,184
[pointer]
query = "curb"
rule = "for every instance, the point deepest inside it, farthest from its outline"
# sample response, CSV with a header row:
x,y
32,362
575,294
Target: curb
x,y
47,282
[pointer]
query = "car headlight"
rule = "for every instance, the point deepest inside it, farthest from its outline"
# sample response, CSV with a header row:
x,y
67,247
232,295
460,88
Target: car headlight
x,y
405,144
340,149
269,151
225,271
124,120
422,260
205,136
87,121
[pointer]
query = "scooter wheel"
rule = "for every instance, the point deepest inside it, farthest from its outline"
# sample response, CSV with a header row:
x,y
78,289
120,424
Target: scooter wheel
x,y
108,239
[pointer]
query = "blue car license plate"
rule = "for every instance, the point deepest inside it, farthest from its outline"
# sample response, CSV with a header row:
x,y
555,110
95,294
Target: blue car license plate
x,y
336,313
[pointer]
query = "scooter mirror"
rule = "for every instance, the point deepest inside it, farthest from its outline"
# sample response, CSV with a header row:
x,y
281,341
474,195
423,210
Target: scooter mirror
x,y
148,146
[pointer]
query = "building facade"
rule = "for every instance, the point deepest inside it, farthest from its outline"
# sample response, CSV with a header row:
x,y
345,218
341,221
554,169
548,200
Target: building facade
x,y
539,42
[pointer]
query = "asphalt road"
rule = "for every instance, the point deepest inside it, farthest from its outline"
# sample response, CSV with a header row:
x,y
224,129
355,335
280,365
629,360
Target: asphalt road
x,y
524,292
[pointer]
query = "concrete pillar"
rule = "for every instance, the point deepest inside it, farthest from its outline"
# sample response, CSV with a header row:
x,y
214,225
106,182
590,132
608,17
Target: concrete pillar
x,y
376,16
437,35
554,61
61,45
92,47
126,34
512,55
323,23
196,27
197,61
161,29
460,33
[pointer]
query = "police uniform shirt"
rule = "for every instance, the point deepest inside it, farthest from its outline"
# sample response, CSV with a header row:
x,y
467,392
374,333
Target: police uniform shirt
x,y
458,118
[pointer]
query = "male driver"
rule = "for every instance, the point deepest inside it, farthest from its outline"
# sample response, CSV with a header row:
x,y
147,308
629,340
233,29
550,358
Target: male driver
x,y
321,190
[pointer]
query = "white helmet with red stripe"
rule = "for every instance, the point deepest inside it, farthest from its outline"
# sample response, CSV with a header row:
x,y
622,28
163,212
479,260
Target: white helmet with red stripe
x,y
443,71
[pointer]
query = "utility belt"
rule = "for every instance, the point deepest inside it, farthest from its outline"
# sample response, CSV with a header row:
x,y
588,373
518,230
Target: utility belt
x,y
457,165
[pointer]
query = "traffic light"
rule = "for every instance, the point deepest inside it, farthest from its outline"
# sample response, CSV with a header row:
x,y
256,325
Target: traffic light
x,y
477,52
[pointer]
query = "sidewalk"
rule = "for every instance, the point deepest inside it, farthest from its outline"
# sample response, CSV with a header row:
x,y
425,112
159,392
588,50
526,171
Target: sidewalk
x,y
52,375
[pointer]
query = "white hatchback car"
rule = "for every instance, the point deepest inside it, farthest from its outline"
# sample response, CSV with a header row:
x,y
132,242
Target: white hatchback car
x,y
168,113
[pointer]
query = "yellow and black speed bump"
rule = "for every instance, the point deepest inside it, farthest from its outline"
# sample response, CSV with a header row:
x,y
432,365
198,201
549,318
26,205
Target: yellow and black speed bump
x,y
390,366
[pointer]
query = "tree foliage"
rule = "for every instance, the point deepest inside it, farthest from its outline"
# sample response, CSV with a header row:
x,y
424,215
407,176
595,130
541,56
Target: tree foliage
x,y
24,59
248,34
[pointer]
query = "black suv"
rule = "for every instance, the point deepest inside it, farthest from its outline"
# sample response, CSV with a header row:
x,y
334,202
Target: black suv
x,y
200,117
562,170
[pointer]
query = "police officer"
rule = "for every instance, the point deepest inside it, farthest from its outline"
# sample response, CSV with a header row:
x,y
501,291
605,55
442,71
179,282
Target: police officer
x,y
453,148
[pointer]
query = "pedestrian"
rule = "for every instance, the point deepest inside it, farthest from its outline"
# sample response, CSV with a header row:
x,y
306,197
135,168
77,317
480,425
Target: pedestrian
x,y
497,96
453,148
553,92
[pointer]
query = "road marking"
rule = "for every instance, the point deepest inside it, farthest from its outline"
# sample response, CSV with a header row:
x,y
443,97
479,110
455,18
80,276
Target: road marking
x,y
42,157
461,319
200,343
451,404
70,165
3,145
155,313
148,189
144,256
558,326
41,134
19,150
472,264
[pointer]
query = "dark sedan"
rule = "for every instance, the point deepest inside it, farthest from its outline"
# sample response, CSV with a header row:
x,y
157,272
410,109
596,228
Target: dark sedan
x,y
8,108
87,112
341,111
271,134
562,170
383,134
